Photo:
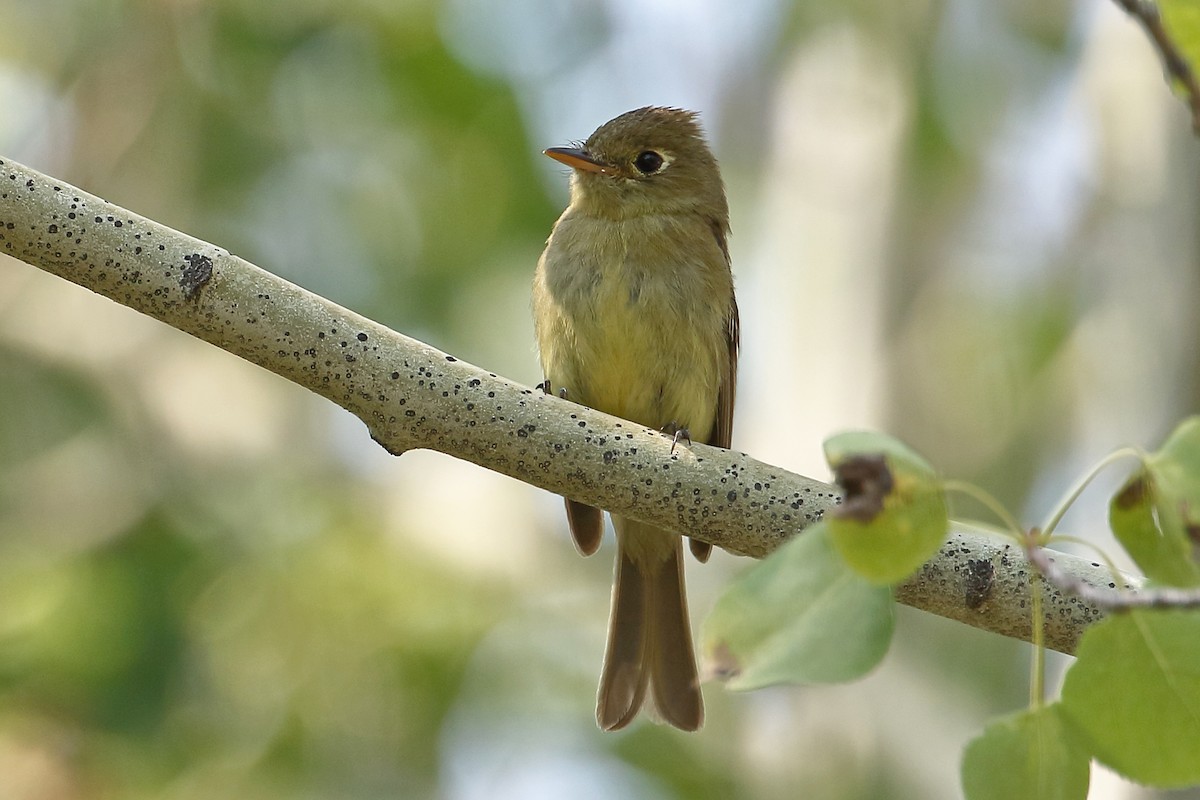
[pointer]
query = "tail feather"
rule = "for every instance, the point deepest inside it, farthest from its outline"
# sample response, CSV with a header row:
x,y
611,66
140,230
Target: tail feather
x,y
673,671
587,526
649,636
624,678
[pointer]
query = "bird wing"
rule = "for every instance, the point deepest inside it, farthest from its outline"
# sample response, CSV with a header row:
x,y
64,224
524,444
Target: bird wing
x,y
722,432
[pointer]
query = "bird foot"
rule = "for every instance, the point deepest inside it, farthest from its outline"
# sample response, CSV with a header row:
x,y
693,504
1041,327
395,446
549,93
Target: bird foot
x,y
677,433
548,389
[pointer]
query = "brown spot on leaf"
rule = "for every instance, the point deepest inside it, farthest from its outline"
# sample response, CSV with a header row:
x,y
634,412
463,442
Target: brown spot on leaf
x,y
1190,524
1133,493
866,482
723,664
1192,528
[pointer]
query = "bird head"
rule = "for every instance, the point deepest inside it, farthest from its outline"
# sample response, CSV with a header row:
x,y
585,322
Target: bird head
x,y
648,161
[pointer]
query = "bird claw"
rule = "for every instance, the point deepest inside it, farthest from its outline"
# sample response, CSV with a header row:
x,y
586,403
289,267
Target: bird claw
x,y
548,389
676,432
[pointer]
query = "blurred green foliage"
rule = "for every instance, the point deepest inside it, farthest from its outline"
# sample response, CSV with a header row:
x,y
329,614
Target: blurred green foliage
x,y
213,585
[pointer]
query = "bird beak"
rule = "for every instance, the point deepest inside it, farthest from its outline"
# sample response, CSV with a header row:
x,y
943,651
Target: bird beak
x,y
576,158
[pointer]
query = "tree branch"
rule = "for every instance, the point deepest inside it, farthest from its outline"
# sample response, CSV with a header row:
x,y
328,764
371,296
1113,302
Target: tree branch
x,y
1148,14
411,395
1110,598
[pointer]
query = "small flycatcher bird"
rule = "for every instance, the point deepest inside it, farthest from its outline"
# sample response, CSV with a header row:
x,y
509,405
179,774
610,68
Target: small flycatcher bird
x,y
635,316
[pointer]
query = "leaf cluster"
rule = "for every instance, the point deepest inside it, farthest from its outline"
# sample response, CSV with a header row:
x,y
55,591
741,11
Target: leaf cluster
x,y
820,610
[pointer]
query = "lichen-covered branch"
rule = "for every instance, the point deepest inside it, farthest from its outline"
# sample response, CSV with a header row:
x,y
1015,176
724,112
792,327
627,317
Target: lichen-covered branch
x,y
985,580
411,395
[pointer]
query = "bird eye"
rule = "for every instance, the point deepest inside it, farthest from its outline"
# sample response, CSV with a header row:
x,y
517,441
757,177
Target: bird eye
x,y
648,162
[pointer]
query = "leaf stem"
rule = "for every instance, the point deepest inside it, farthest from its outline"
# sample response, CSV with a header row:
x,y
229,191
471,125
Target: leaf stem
x,y
1037,678
1096,549
985,498
1076,490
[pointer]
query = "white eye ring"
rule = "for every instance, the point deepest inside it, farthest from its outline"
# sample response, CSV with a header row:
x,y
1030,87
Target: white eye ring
x,y
652,162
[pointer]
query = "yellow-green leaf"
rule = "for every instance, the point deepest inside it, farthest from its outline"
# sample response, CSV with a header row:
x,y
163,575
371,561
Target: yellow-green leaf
x,y
1156,514
1033,754
1181,18
894,516
1134,692
799,616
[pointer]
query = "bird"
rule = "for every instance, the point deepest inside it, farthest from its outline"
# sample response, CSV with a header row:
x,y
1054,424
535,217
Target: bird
x,y
635,315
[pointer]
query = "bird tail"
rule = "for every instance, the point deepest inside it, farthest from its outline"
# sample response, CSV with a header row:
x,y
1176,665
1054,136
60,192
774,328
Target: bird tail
x,y
649,635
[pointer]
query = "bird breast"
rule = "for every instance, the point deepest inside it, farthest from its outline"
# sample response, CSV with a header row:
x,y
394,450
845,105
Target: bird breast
x,y
631,317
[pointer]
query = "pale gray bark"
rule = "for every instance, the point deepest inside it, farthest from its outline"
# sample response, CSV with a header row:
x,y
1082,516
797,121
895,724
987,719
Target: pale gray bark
x,y
411,395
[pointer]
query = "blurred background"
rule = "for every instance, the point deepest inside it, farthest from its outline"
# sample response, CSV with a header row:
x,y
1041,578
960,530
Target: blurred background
x,y
971,224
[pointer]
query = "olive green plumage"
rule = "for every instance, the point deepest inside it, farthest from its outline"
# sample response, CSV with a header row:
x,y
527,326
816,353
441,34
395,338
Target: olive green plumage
x,y
635,315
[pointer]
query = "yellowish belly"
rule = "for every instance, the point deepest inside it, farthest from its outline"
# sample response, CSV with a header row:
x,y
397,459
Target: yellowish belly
x,y
626,328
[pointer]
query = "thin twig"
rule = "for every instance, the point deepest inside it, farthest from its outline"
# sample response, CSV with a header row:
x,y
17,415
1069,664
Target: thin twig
x,y
1113,599
1178,67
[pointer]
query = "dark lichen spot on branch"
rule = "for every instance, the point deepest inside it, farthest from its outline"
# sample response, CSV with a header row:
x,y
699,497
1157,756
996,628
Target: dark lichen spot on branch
x,y
977,582
195,275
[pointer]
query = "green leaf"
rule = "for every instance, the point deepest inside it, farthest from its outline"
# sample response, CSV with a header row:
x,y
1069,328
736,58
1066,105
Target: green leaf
x,y
1163,557
1033,754
894,517
1135,693
1181,18
799,616
1156,514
